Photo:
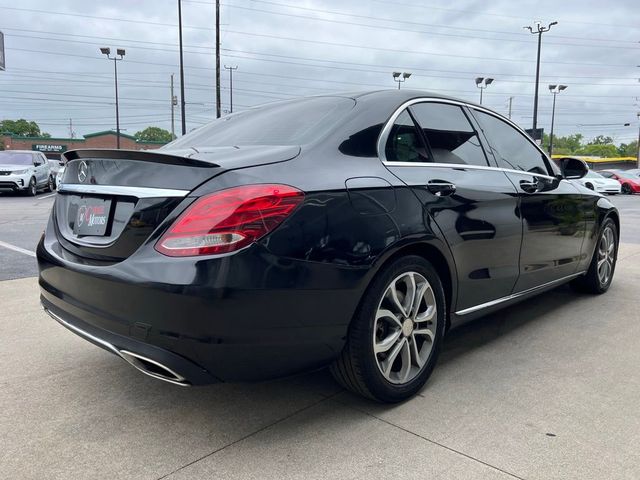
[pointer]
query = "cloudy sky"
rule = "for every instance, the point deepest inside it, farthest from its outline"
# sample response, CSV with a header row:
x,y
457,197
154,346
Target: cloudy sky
x,y
287,48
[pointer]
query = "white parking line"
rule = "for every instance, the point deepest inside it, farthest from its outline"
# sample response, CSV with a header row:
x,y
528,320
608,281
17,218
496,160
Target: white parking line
x,y
46,196
17,249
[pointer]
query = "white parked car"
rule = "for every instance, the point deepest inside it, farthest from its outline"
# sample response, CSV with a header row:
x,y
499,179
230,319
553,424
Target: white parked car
x,y
24,171
600,184
59,175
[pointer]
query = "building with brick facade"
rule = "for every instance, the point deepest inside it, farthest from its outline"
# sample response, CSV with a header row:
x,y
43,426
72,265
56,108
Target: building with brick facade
x,y
53,147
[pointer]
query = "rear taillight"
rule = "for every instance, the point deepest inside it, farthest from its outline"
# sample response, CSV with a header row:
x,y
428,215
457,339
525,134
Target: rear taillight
x,y
228,220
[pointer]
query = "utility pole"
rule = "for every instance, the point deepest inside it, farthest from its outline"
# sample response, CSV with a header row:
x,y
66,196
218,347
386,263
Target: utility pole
x,y
510,103
174,102
72,134
217,58
183,114
538,31
231,69
638,114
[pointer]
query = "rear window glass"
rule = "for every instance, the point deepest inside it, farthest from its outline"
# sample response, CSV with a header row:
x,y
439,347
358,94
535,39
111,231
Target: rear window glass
x,y
16,158
295,122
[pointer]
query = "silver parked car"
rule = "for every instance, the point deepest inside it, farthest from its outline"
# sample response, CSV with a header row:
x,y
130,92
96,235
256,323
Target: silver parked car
x,y
24,171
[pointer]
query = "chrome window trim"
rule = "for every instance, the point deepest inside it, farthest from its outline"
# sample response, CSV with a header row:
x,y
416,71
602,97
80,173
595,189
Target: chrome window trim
x,y
138,192
513,296
384,135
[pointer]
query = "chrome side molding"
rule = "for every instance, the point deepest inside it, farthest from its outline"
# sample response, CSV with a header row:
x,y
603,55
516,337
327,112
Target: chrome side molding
x,y
513,296
138,192
144,364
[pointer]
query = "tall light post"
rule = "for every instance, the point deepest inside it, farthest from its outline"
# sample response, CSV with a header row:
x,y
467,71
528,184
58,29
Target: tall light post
x,y
116,58
400,77
231,69
638,165
183,115
539,30
554,89
483,83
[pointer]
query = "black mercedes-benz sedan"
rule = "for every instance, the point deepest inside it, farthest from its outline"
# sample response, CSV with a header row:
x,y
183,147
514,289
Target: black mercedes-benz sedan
x,y
347,230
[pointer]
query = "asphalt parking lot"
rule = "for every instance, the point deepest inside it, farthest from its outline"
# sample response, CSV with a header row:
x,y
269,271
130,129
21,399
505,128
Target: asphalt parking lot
x,y
546,389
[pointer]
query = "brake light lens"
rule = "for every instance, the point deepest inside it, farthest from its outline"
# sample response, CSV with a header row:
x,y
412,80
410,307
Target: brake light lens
x,y
229,220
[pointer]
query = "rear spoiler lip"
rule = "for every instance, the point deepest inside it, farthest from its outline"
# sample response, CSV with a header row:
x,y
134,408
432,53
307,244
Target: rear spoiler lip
x,y
139,155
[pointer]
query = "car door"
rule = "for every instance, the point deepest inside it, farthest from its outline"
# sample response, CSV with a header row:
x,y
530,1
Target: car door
x,y
552,210
41,168
433,148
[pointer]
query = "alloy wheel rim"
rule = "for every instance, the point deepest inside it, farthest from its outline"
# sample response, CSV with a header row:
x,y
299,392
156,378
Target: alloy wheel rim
x,y
32,187
606,254
404,329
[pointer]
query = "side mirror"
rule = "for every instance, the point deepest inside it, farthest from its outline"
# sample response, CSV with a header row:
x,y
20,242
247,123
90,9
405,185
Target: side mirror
x,y
37,163
573,168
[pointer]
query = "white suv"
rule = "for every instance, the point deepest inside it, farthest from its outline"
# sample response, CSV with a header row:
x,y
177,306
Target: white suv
x,y
24,171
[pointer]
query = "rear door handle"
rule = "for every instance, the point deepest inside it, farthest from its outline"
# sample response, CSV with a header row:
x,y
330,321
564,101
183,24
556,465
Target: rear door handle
x,y
529,186
441,188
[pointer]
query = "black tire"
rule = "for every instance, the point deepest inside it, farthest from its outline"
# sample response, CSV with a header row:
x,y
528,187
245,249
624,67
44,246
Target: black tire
x,y
51,184
32,188
357,367
626,189
591,282
589,186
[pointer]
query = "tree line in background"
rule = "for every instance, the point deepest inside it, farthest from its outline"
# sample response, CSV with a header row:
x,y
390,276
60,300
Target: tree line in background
x,y
25,128
600,146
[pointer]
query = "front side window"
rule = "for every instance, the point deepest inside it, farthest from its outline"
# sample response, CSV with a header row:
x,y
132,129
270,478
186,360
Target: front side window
x,y
510,147
404,143
449,134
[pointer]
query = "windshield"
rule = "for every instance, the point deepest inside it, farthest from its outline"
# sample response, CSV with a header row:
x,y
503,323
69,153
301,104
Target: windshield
x,y
16,158
295,122
630,176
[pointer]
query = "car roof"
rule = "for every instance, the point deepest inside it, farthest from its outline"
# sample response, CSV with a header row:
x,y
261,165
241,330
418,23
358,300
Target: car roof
x,y
404,95
19,151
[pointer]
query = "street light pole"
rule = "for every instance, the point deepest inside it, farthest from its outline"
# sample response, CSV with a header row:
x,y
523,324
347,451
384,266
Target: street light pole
x,y
183,115
554,89
218,111
231,69
638,165
538,31
483,83
116,58
400,77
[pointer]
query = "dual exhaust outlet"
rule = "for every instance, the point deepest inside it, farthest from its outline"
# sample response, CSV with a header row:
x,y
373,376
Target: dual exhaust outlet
x,y
146,365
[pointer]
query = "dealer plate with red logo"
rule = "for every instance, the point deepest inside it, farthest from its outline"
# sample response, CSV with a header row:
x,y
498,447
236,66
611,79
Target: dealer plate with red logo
x,y
91,216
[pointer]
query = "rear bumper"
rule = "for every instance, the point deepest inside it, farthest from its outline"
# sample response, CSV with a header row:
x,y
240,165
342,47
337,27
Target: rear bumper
x,y
248,316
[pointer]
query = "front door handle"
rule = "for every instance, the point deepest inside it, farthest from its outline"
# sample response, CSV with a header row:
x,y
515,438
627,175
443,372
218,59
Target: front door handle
x,y
441,188
529,186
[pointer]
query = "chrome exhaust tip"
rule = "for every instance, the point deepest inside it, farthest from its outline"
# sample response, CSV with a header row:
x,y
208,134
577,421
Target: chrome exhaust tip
x,y
146,365
153,368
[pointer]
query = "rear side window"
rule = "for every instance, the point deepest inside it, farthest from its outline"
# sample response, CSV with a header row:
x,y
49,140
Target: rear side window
x,y
449,134
404,143
511,148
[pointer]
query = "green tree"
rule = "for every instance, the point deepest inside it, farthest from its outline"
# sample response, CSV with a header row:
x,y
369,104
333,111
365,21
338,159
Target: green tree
x,y
598,150
153,134
564,145
628,150
22,127
601,140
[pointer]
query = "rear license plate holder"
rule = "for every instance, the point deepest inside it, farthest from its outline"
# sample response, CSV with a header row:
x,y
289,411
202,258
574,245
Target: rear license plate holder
x,y
90,216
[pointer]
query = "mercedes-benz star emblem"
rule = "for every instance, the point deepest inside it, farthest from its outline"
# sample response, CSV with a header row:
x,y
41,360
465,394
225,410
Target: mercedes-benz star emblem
x,y
83,171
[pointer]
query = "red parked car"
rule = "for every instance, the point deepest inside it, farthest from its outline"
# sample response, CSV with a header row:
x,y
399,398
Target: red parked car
x,y
630,183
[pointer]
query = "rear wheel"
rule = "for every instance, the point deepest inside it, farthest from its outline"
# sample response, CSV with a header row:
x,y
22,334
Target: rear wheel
x,y
51,184
626,189
603,264
589,186
395,337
